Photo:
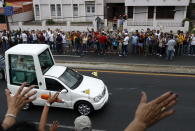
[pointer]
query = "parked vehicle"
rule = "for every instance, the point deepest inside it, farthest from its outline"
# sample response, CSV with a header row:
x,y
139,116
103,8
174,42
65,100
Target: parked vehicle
x,y
34,63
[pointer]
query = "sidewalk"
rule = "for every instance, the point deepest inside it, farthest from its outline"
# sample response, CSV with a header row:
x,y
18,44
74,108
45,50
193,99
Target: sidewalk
x,y
181,65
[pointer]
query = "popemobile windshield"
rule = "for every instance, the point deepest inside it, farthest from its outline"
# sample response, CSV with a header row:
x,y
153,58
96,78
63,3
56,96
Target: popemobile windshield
x,y
34,64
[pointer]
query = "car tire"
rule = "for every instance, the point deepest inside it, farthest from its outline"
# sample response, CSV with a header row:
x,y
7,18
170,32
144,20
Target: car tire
x,y
27,107
2,75
84,108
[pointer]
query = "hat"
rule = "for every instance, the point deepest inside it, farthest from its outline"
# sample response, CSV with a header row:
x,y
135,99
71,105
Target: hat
x,y
82,123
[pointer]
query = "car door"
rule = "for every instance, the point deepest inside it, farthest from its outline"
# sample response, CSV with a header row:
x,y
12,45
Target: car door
x,y
54,85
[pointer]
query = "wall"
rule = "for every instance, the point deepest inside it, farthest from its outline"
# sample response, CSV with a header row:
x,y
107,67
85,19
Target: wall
x,y
67,12
1,4
16,26
67,9
45,12
3,26
162,28
140,13
179,15
26,16
114,1
157,2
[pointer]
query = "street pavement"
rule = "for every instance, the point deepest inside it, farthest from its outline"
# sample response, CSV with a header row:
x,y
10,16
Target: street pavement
x,y
130,59
181,64
136,63
125,91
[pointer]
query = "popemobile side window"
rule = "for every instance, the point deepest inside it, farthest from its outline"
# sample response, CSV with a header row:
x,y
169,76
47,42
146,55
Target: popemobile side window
x,y
22,69
53,85
46,61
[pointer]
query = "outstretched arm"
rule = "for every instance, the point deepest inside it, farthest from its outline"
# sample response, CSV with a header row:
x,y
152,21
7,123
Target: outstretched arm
x,y
44,115
15,104
147,114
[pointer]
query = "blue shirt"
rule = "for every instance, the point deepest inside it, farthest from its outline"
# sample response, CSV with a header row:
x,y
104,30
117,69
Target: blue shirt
x,y
134,40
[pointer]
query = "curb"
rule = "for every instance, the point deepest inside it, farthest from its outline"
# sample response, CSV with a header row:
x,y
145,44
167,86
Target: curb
x,y
152,68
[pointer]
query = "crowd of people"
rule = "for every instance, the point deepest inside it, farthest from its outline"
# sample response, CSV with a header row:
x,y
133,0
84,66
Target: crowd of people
x,y
147,113
122,43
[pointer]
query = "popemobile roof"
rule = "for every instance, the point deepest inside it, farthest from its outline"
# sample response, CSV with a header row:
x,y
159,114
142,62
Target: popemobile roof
x,y
27,49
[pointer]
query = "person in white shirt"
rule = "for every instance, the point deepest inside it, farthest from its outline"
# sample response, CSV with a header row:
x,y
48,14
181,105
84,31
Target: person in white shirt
x,y
46,36
64,42
51,41
158,34
125,44
34,37
24,37
192,45
48,32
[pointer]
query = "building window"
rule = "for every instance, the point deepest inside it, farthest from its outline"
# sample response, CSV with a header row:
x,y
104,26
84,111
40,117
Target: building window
x,y
93,9
37,11
53,10
130,12
165,12
90,7
59,13
75,9
150,12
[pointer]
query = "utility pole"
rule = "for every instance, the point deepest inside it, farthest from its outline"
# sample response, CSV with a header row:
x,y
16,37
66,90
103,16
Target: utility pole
x,y
6,17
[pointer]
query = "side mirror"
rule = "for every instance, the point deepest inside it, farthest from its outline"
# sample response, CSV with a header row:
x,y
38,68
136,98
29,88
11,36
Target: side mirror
x,y
64,91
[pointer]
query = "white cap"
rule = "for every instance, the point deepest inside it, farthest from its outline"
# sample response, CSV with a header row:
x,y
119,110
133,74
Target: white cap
x,y
82,123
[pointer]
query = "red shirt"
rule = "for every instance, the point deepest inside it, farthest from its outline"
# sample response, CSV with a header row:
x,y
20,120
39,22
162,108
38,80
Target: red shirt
x,y
102,39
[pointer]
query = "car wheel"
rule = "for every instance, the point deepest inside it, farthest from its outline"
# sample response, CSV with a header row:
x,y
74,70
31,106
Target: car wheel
x,y
27,106
1,75
84,108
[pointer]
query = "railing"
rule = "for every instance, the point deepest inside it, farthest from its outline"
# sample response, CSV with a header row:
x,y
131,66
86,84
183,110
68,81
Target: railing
x,y
156,23
81,23
136,23
14,23
33,23
169,24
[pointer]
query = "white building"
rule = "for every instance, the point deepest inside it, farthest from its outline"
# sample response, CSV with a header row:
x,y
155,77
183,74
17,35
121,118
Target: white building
x,y
68,10
164,15
157,14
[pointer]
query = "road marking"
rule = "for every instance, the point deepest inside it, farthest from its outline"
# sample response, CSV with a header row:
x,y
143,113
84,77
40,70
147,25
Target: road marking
x,y
139,73
126,88
67,56
65,127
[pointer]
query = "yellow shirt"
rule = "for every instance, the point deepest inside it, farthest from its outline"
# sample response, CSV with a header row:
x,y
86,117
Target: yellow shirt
x,y
181,39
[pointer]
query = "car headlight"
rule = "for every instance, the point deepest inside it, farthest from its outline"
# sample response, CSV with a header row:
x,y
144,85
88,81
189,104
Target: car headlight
x,y
97,99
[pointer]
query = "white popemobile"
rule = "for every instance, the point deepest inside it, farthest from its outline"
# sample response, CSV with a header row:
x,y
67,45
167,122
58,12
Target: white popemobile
x,y
33,63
